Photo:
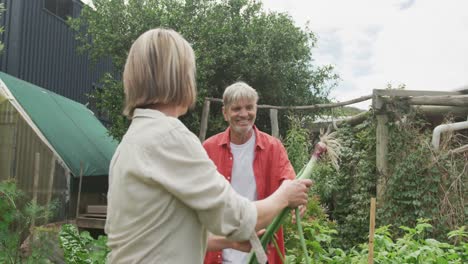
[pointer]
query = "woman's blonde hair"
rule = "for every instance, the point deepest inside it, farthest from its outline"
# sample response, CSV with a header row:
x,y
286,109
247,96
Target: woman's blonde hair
x,y
160,69
238,91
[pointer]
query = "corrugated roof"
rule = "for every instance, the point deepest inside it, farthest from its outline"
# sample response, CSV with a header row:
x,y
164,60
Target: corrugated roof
x,y
71,129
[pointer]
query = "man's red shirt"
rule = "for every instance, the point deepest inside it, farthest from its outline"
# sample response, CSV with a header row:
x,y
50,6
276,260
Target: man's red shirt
x,y
271,166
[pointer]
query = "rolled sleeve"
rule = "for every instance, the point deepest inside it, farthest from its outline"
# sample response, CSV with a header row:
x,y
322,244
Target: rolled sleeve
x,y
247,223
238,226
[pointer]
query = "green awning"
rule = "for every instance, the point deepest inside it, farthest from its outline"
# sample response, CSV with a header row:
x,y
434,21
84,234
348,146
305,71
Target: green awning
x,y
71,128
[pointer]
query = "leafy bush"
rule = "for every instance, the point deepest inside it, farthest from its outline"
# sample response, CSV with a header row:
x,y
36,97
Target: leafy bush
x,y
79,248
317,233
412,247
424,183
16,214
345,193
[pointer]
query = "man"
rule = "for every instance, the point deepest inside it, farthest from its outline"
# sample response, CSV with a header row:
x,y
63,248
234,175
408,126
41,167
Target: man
x,y
254,162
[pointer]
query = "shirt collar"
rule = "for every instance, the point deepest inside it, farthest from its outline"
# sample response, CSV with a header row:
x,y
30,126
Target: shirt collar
x,y
146,112
259,140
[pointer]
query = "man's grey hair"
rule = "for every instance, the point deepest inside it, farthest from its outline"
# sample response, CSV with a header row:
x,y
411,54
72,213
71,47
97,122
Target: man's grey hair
x,y
238,91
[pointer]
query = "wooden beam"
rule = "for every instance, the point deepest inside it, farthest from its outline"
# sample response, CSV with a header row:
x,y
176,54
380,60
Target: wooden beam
x,y
437,110
460,149
274,123
370,258
37,162
404,93
96,209
87,215
89,222
308,107
381,154
50,185
351,120
79,191
442,100
377,102
204,120
445,100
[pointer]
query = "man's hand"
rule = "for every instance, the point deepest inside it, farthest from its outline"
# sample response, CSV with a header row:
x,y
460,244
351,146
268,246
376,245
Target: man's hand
x,y
295,192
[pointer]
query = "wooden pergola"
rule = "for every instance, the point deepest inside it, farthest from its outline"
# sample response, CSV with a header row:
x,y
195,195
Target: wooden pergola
x,y
431,103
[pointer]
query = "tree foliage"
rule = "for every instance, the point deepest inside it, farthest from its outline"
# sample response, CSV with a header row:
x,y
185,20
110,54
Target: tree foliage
x,y
233,40
2,9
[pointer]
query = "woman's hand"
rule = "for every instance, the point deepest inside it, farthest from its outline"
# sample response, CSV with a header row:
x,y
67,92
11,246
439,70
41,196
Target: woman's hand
x,y
220,243
245,246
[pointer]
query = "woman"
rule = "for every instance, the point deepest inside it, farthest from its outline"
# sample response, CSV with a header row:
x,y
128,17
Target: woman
x,y
165,194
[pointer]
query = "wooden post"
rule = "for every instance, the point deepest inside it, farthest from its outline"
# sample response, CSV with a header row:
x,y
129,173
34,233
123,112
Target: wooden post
x,y
204,120
37,159
370,258
50,188
381,154
79,190
274,123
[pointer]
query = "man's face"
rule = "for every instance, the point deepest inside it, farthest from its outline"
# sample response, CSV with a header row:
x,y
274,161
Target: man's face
x,y
241,116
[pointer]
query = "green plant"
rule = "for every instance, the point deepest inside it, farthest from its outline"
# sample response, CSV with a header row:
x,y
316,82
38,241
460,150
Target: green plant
x,y
16,215
346,193
413,246
424,183
297,143
318,231
79,248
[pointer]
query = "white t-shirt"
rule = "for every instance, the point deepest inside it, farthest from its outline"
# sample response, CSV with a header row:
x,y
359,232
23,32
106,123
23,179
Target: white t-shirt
x,y
243,181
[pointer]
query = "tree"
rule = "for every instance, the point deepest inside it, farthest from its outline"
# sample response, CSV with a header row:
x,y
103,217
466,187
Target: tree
x,y
232,39
2,9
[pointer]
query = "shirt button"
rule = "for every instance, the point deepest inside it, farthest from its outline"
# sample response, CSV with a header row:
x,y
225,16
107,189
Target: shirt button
x,y
230,158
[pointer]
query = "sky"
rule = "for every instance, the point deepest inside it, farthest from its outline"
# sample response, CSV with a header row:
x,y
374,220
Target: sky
x,y
422,44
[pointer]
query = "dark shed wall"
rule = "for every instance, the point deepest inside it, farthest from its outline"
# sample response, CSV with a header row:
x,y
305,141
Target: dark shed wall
x,y
40,48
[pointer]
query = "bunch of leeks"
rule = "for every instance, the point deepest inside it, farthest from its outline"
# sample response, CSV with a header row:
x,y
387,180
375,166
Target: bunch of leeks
x,y
327,144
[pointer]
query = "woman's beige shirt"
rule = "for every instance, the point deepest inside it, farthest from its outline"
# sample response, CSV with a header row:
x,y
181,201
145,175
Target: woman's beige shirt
x,y
165,194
